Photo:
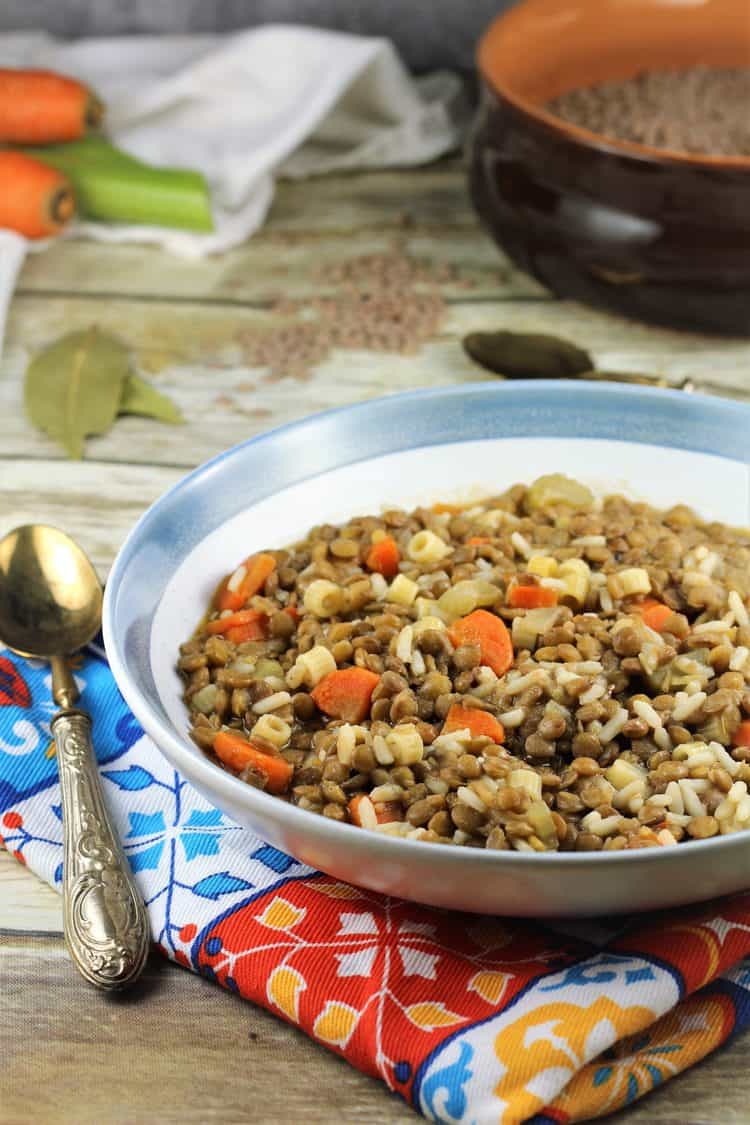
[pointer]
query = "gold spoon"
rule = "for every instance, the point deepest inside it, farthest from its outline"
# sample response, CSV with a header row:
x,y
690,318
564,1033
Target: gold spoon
x,y
51,606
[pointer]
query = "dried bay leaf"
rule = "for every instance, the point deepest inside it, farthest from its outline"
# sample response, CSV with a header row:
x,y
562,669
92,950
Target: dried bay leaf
x,y
527,355
139,397
73,388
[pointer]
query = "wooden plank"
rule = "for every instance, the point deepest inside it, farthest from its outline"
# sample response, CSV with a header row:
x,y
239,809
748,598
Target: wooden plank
x,y
273,264
177,1051
96,504
309,230
198,354
26,903
177,1031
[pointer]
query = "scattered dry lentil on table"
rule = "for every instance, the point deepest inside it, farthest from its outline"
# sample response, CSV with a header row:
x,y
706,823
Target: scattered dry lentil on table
x,y
388,302
701,110
620,723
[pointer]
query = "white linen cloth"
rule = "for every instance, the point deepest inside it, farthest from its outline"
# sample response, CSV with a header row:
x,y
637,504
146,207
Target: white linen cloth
x,y
245,109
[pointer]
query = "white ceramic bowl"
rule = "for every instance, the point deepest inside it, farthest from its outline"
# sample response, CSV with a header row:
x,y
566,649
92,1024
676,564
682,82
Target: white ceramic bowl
x,y
661,446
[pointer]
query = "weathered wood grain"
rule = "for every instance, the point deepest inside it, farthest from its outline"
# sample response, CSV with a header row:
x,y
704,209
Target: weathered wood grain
x,y
312,227
197,353
26,903
179,1051
97,504
275,263
176,1050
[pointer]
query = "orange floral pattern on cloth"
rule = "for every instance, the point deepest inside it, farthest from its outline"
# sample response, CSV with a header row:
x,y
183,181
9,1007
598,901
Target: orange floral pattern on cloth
x,y
477,1020
637,1064
378,980
480,1020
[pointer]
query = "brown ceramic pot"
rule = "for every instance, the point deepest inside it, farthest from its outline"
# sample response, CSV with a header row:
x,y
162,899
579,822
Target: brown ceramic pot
x,y
659,235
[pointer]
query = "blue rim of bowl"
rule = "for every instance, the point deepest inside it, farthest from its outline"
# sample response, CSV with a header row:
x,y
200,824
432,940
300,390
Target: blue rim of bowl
x,y
719,413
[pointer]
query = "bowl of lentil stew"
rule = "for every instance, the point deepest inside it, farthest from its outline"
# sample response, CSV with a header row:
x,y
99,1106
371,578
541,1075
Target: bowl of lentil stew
x,y
595,792
611,158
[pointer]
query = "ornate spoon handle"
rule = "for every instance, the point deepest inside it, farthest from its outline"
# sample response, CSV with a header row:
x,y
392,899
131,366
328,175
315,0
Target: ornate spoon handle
x,y
105,922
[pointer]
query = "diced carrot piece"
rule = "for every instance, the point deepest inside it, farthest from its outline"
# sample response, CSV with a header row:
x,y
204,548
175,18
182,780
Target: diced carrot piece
x,y
257,569
250,620
741,736
477,540
253,631
385,811
489,632
654,613
384,557
353,807
531,597
388,811
477,722
228,599
346,693
446,509
293,613
237,753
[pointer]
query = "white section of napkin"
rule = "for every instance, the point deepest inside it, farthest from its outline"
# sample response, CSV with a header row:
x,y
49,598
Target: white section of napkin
x,y
244,109
12,254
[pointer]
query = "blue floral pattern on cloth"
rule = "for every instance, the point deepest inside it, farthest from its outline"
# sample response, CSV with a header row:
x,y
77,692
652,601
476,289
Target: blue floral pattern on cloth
x,y
184,852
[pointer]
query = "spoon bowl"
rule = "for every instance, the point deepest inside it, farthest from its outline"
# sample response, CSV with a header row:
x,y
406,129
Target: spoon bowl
x,y
50,595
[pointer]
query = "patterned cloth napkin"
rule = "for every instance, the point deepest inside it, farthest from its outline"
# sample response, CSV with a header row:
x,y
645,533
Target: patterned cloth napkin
x,y
470,1019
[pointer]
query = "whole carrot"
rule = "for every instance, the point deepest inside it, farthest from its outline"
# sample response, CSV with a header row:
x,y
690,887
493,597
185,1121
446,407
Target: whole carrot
x,y
35,200
39,107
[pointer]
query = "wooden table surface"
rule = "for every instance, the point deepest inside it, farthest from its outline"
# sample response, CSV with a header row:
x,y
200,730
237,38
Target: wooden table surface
x,y
180,1050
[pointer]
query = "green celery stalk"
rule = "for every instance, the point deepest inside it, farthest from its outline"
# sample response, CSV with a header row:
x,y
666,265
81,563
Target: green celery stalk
x,y
113,187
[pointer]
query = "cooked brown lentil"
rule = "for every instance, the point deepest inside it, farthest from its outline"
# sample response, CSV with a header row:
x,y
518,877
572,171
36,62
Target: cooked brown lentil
x,y
615,735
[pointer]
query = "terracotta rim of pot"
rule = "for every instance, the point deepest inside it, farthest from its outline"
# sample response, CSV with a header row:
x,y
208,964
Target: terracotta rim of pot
x,y
542,48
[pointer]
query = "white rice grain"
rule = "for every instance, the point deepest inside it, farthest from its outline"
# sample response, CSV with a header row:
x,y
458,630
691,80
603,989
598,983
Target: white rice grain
x,y
724,758
612,728
687,705
552,583
469,797
366,812
662,739
522,545
404,644
738,608
692,802
522,682
272,702
513,718
386,793
237,579
695,578
676,803
709,564
379,586
645,711
596,691
589,541
717,626
605,600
